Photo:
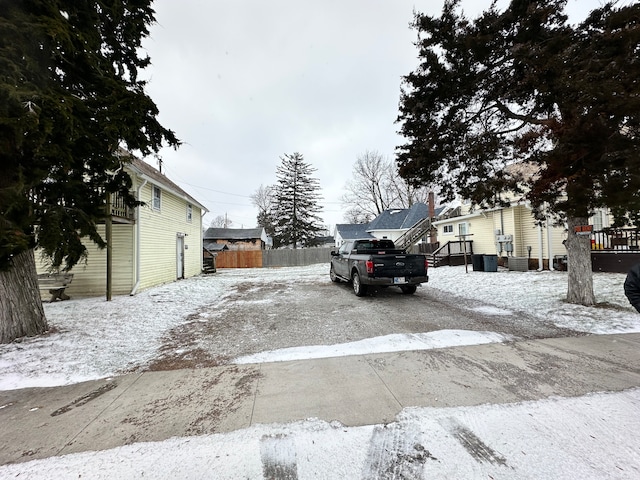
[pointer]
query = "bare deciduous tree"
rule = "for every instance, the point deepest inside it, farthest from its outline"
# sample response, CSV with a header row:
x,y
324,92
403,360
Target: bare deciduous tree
x,y
376,187
263,199
221,221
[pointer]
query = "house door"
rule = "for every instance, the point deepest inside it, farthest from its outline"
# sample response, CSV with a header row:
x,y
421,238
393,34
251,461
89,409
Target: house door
x,y
180,256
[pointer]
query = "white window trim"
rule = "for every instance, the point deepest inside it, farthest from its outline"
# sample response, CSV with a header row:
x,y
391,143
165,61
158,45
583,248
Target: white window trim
x,y
189,213
155,188
466,228
444,229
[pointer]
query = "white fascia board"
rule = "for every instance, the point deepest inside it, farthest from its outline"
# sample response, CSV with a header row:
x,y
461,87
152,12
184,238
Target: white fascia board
x,y
458,219
480,212
155,182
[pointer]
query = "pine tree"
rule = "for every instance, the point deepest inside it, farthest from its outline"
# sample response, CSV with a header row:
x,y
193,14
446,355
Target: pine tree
x,y
70,99
296,203
525,85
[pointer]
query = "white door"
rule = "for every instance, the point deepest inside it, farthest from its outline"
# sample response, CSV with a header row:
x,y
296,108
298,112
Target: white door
x,y
180,256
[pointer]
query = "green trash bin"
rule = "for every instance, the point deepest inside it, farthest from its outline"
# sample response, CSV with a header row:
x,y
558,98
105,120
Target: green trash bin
x,y
490,263
478,262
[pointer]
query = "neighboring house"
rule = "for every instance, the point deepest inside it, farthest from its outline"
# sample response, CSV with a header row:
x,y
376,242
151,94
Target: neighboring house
x,y
156,243
512,231
393,223
350,231
504,231
237,238
324,241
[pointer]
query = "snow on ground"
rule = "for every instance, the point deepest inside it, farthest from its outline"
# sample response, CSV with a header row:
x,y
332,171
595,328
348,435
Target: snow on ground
x,y
595,436
387,343
97,339
589,437
543,294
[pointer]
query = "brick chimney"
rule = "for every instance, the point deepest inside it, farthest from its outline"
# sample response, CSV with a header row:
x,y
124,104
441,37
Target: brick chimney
x,y
432,213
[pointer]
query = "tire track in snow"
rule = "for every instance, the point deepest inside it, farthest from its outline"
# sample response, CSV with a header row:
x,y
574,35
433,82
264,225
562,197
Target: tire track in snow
x,y
395,452
278,455
472,443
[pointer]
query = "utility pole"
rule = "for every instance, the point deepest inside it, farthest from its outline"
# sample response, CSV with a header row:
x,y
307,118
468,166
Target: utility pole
x,y
109,239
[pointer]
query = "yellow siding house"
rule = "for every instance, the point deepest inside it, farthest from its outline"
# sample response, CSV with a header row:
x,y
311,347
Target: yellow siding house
x,y
156,243
504,231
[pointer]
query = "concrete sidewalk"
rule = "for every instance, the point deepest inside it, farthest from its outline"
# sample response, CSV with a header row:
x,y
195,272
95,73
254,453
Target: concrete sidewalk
x,y
357,390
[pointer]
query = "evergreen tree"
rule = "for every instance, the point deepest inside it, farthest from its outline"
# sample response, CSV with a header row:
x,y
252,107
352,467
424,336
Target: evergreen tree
x,y
70,100
296,203
525,85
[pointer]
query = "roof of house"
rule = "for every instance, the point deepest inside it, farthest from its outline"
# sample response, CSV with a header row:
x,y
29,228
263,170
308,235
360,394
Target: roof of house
x,y
234,234
399,218
154,176
351,231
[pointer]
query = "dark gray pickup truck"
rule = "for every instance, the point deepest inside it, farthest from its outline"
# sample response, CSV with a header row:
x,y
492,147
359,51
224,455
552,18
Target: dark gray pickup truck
x,y
377,263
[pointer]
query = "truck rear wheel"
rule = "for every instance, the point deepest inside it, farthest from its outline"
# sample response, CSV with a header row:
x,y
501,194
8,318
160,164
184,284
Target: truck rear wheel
x,y
408,289
358,288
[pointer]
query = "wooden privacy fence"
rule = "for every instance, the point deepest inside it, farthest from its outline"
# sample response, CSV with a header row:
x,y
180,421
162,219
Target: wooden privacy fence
x,y
272,258
239,259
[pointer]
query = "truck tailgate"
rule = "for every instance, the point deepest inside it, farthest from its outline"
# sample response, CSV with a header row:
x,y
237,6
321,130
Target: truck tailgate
x,y
399,266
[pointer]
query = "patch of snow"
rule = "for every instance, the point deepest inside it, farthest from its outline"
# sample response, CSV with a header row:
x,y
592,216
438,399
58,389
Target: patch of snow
x,y
492,311
387,343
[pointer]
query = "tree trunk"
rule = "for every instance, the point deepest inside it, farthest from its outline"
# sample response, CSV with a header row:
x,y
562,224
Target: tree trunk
x,y
580,288
21,310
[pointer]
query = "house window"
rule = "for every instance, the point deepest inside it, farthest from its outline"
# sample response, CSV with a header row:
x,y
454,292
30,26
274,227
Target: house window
x,y
463,228
156,198
598,220
447,229
189,212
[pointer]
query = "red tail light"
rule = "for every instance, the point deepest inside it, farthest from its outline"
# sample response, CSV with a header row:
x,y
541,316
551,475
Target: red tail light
x,y
369,264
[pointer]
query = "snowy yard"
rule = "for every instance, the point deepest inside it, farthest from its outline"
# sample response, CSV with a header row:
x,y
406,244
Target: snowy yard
x,y
92,338
552,438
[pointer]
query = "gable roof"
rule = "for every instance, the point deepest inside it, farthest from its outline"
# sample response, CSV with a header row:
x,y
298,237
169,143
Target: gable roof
x,y
352,231
149,173
399,218
235,234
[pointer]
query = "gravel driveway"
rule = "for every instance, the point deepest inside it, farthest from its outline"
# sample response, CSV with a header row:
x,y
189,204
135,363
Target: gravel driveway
x,y
257,315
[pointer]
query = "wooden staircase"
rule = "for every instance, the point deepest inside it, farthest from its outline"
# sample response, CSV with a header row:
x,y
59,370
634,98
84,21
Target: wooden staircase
x,y
452,253
415,233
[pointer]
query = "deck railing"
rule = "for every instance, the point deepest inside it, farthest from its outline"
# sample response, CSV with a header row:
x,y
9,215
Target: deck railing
x,y
120,209
616,239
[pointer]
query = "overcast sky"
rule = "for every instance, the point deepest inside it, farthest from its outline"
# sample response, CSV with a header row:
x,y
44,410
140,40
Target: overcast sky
x,y
244,82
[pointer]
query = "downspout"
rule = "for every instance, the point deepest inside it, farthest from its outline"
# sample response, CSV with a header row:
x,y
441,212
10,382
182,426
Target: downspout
x,y
549,245
137,245
540,259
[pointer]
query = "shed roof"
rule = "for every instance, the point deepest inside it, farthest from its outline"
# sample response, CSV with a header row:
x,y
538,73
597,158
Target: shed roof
x,y
214,247
235,234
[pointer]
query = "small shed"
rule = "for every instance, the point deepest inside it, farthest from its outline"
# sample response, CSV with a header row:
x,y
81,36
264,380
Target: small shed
x,y
237,238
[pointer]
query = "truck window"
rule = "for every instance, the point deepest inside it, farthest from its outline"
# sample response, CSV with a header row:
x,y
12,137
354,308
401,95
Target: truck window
x,y
345,247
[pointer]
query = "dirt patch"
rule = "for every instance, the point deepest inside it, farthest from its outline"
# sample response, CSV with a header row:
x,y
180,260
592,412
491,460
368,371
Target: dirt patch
x,y
255,317
196,358
83,400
